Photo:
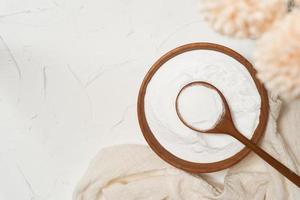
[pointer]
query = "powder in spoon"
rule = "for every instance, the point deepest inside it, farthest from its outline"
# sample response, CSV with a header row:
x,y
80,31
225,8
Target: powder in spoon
x,y
200,107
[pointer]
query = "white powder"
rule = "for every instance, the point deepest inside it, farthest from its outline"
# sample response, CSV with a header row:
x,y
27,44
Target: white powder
x,y
222,71
200,106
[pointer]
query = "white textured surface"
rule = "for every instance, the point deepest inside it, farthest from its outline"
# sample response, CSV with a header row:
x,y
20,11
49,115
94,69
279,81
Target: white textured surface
x,y
69,77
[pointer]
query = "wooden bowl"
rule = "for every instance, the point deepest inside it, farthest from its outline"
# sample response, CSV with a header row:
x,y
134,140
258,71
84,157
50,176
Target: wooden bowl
x,y
192,166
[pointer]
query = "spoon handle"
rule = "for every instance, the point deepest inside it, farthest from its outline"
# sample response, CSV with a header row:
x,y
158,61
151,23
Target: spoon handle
x,y
293,177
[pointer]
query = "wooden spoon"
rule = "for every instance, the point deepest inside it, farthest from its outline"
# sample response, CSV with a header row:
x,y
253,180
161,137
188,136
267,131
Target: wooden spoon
x,y
225,125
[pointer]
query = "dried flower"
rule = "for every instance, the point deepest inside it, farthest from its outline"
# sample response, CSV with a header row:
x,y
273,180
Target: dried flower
x,y
292,4
243,18
277,57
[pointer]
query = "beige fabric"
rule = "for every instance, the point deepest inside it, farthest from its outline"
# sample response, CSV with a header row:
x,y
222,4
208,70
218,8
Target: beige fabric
x,y
130,172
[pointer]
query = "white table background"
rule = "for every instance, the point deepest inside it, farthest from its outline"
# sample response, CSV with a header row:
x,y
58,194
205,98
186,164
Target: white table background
x,y
70,71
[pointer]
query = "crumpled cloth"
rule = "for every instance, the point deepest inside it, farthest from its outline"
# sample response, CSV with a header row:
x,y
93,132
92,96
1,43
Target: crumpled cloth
x,y
128,172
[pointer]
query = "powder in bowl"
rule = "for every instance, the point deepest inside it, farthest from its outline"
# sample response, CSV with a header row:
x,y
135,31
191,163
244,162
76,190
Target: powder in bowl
x,y
218,69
